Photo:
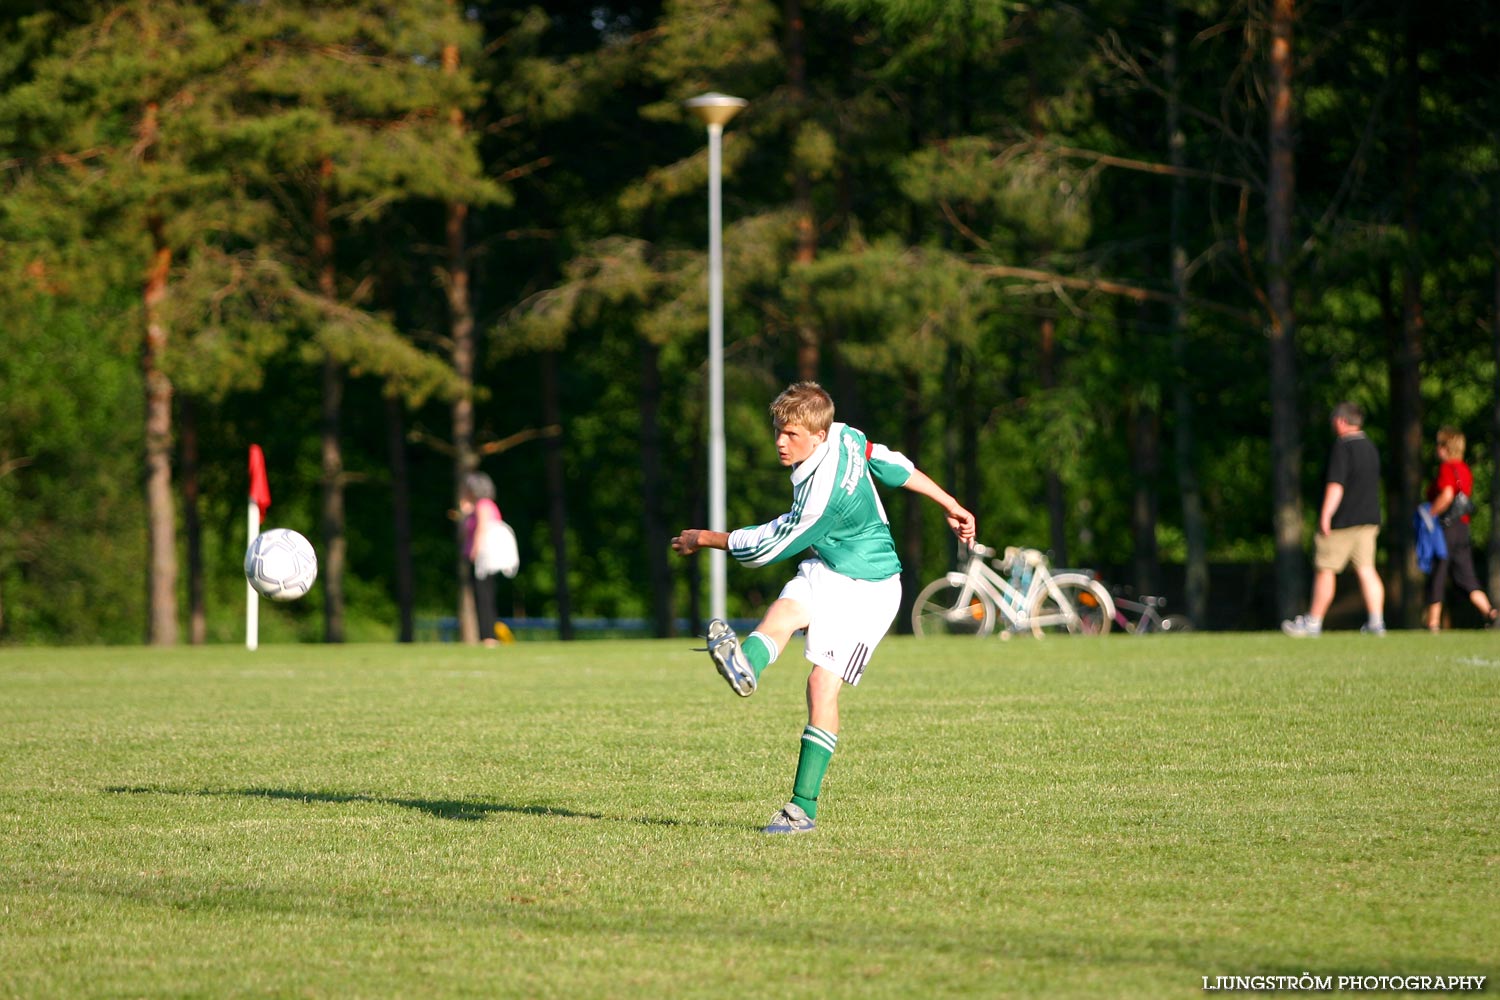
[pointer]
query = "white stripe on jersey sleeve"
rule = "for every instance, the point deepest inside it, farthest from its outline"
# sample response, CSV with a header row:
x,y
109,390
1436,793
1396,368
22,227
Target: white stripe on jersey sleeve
x,y
793,531
890,468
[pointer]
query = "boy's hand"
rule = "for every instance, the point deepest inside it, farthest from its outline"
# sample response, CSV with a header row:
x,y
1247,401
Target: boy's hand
x,y
962,523
693,539
686,543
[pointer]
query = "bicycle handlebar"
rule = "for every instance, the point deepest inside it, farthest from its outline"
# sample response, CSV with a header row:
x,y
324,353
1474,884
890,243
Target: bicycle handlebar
x,y
1032,557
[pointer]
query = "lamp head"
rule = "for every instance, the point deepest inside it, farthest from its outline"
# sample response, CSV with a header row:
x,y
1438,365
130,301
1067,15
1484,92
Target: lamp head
x,y
715,109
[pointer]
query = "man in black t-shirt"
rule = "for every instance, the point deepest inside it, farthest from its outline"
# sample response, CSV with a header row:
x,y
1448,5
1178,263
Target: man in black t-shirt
x,y
1348,524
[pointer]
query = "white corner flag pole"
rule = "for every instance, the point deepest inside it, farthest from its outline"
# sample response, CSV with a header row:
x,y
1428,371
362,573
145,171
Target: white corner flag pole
x,y
252,599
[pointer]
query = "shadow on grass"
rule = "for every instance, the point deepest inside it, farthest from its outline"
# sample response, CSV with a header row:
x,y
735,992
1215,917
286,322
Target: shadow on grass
x,y
441,808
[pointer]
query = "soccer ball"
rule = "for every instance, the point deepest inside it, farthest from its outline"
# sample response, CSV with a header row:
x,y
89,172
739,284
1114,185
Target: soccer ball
x,y
281,564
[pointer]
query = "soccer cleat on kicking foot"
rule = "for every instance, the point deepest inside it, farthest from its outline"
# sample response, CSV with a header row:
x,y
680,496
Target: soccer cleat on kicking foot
x,y
724,650
790,819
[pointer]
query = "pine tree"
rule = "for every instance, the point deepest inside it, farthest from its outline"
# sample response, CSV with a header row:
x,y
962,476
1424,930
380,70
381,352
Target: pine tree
x,y
114,131
177,132
351,103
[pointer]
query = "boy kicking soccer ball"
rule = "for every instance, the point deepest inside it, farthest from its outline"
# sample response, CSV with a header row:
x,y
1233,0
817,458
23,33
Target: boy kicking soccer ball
x,y
845,594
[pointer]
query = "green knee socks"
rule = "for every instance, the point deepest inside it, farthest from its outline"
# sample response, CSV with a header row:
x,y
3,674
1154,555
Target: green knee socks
x,y
817,751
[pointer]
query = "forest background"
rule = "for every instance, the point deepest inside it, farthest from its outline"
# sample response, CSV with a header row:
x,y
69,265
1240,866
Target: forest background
x,y
1102,269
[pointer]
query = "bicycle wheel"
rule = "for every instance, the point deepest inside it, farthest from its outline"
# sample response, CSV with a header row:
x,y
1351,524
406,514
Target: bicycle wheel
x,y
942,609
1080,606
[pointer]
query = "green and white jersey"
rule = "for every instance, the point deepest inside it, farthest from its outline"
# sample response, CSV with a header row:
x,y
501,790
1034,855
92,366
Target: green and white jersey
x,y
835,510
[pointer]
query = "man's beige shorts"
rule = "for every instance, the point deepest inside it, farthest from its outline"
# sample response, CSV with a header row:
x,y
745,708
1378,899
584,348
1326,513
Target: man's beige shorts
x,y
1343,546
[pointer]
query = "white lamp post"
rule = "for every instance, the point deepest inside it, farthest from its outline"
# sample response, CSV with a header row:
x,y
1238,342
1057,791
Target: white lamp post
x,y
715,111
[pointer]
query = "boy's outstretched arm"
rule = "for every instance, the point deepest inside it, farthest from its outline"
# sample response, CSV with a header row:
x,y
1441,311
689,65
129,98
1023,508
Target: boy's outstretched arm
x,y
959,519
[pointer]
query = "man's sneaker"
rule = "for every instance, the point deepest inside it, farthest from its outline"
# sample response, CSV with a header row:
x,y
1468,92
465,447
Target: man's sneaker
x,y
790,819
1301,628
724,650
1372,629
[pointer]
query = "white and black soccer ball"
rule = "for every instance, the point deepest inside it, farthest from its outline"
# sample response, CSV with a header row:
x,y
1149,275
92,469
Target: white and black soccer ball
x,y
281,564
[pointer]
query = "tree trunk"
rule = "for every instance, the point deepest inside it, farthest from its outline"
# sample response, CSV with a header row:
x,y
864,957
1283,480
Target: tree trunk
x,y
161,520
396,457
653,517
971,483
1286,448
192,524
395,423
461,336
697,502
465,459
952,451
1184,428
911,547
808,346
332,562
1494,546
557,506
1406,380
335,550
1392,324
1145,453
961,435
1057,515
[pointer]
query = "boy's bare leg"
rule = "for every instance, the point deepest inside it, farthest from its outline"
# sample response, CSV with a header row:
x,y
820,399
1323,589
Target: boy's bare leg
x,y
784,617
823,687
782,620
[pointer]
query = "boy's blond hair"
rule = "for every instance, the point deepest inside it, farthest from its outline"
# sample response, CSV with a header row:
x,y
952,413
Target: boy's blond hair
x,y
1451,443
804,403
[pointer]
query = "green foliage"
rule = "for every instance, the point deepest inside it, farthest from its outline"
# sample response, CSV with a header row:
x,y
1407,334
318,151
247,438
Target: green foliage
x,y
1015,197
703,44
941,19
616,273
903,325
72,536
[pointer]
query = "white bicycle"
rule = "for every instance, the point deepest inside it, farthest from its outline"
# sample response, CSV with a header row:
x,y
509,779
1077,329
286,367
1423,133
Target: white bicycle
x,y
1024,593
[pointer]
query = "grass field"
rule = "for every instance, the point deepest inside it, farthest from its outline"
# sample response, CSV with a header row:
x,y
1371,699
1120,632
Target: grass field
x,y
1066,818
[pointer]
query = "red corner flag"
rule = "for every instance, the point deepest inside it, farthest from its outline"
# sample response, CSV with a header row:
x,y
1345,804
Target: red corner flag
x,y
260,489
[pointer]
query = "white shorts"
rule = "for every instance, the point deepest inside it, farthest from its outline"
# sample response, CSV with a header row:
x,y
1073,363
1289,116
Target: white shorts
x,y
847,618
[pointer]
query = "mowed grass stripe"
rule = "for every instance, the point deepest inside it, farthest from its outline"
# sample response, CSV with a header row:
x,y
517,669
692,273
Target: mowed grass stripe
x,y
1115,818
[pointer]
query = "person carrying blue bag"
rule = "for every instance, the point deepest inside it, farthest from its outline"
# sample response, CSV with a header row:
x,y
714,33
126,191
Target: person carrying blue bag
x,y
1451,501
1428,530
